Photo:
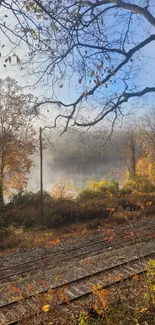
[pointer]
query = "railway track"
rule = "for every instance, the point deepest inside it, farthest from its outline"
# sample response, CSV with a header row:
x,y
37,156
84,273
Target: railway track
x,y
47,250
122,265
17,311
79,251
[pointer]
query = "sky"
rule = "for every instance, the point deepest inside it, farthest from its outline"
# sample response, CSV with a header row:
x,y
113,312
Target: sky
x,y
146,77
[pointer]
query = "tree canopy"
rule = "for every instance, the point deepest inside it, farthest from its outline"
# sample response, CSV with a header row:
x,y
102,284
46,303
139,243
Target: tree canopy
x,y
98,48
17,137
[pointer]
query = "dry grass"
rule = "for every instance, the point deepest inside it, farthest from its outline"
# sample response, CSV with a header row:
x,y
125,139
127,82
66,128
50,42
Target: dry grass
x,y
23,227
20,238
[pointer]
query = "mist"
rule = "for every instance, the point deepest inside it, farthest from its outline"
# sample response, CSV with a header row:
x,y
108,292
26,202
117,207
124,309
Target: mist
x,y
78,157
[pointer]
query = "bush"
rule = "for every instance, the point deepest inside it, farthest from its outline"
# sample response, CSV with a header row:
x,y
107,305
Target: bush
x,y
29,198
112,186
100,200
103,186
125,190
91,209
88,194
4,232
139,184
98,189
28,217
53,220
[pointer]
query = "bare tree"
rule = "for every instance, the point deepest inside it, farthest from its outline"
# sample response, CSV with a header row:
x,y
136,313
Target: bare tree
x,y
97,47
17,136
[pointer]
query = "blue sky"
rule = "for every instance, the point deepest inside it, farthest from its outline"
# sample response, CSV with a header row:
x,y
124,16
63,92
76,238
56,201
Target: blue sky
x,y
145,77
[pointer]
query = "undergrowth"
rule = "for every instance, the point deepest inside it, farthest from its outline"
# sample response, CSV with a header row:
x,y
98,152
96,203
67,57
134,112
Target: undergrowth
x,y
100,202
133,304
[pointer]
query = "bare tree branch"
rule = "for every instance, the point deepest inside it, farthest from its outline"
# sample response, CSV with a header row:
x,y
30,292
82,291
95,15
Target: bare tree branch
x,y
97,48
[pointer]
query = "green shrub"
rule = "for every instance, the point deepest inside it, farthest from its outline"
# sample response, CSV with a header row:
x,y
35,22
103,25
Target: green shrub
x,y
98,189
112,186
139,184
103,185
87,194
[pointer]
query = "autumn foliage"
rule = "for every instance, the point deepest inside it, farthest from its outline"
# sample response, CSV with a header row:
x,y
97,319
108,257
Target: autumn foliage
x,y
17,137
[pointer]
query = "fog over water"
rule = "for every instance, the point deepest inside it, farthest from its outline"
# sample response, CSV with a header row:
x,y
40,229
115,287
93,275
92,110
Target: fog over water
x,y
78,157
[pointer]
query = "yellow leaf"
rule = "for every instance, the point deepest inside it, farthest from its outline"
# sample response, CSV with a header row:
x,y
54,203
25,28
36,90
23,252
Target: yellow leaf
x,y
143,310
46,308
153,287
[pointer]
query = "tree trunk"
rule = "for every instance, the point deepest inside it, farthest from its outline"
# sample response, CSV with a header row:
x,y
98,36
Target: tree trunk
x,y
1,192
132,159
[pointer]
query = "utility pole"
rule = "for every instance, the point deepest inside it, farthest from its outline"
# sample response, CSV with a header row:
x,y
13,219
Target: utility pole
x,y
41,173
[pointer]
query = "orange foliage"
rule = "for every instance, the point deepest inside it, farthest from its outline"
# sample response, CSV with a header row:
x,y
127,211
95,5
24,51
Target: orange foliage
x,y
102,299
63,190
54,242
